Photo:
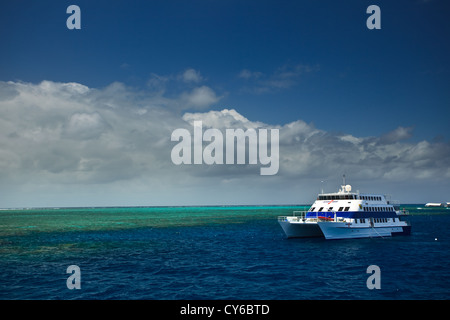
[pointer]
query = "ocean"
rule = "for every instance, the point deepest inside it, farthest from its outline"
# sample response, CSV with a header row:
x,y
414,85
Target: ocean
x,y
212,253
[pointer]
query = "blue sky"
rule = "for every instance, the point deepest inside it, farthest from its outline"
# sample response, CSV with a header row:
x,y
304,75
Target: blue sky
x,y
274,62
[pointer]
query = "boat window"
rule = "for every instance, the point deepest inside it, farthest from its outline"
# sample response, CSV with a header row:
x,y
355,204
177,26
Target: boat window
x,y
347,208
341,208
312,209
321,209
330,208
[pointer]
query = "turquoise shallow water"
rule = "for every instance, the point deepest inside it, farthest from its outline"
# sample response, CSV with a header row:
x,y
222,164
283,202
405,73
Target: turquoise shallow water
x,y
25,221
212,253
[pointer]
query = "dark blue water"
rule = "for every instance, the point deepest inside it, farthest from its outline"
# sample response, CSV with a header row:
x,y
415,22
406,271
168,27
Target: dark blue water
x,y
247,260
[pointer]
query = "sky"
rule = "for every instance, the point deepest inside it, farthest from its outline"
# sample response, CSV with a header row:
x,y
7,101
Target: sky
x,y
86,115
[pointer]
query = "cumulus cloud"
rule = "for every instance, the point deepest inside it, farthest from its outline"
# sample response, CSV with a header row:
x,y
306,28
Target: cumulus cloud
x,y
85,125
191,75
224,119
398,134
192,96
69,138
199,98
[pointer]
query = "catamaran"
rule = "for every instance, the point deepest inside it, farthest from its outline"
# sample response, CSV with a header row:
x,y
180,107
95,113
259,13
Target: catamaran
x,y
346,214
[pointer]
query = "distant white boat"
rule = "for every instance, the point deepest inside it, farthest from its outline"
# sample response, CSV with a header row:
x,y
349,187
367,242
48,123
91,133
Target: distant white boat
x,y
438,204
345,214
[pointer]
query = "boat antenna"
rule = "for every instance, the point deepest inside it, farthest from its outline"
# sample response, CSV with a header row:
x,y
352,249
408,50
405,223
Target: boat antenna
x,y
343,177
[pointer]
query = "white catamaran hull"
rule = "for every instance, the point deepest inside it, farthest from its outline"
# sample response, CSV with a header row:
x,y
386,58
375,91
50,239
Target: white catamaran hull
x,y
300,229
297,227
342,230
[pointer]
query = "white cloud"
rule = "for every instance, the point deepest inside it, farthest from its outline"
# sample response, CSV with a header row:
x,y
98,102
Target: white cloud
x,y
222,119
85,125
65,142
199,98
191,75
398,134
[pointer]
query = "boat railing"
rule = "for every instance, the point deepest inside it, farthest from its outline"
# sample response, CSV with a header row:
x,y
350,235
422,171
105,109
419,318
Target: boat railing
x,y
296,216
301,216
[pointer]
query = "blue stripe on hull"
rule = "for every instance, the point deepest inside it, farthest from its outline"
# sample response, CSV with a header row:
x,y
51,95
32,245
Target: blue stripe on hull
x,y
353,214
